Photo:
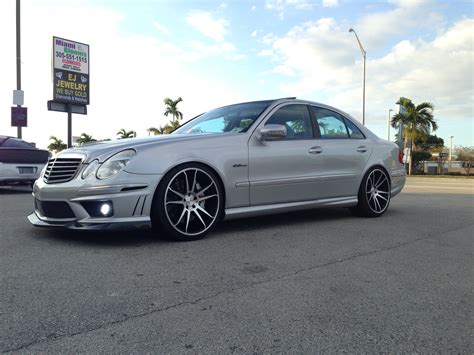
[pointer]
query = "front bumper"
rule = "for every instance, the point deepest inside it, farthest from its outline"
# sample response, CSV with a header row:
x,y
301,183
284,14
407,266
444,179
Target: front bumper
x,y
130,194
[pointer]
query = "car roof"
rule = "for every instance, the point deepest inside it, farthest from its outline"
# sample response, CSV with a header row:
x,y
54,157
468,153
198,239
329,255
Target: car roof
x,y
3,139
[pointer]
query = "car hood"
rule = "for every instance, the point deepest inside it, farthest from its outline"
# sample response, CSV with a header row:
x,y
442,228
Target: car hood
x,y
102,150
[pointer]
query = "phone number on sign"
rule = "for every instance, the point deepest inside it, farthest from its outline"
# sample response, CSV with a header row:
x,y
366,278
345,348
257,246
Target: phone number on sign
x,y
76,58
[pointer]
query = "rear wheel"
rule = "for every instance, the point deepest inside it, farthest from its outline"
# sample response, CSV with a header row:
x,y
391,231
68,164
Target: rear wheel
x,y
188,202
374,194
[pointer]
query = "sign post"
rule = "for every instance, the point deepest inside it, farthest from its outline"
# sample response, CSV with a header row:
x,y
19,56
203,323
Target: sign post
x,y
18,115
70,79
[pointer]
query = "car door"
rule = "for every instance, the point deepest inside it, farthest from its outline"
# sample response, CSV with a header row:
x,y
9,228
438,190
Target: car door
x,y
344,152
284,170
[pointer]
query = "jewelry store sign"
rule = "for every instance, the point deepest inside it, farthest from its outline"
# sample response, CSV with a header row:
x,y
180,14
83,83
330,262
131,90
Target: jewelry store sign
x,y
70,71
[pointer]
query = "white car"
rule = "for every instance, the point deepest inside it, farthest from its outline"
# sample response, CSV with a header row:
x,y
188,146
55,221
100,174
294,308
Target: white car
x,y
20,162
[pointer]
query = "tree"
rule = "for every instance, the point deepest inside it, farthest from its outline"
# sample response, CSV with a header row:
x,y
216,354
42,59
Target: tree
x,y
172,109
418,156
85,138
56,144
157,131
417,121
430,142
123,134
466,155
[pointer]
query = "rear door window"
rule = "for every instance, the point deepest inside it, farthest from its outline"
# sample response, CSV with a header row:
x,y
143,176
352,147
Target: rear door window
x,y
331,124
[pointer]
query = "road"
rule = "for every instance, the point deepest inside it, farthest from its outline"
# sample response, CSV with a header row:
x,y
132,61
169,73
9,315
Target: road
x,y
312,281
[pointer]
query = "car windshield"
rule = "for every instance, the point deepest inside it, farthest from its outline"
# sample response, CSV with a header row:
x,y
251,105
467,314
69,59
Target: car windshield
x,y
229,119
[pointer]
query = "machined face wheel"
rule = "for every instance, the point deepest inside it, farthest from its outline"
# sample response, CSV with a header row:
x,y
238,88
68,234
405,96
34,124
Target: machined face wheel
x,y
377,191
192,201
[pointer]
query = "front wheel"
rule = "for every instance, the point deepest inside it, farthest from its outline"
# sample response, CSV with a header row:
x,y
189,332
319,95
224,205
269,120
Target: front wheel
x,y
374,194
188,202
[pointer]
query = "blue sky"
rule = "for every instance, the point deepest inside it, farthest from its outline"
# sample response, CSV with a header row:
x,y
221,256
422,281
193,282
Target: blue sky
x,y
217,53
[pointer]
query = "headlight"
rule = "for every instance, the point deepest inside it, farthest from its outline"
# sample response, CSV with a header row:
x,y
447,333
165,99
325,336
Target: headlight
x,y
114,164
90,169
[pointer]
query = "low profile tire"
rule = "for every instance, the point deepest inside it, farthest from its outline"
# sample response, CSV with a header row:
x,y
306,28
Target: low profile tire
x,y
188,203
374,194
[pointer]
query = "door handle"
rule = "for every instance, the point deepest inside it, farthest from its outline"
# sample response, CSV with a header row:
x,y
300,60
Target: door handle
x,y
362,149
315,150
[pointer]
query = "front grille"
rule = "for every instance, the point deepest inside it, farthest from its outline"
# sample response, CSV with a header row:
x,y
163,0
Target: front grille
x,y
61,170
54,209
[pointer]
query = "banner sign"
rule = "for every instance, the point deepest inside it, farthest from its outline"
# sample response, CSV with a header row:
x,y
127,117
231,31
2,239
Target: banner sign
x,y
70,71
19,116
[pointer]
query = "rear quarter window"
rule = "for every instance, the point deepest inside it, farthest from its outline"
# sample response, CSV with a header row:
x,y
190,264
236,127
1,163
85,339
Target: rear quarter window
x,y
354,132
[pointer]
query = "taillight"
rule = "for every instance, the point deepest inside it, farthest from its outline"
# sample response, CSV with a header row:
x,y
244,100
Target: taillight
x,y
400,156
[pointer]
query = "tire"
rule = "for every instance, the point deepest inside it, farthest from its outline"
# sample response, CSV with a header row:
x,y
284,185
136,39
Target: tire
x,y
188,203
374,194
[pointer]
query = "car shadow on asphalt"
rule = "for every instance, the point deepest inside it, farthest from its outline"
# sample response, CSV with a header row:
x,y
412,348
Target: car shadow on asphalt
x,y
15,190
137,237
108,238
282,219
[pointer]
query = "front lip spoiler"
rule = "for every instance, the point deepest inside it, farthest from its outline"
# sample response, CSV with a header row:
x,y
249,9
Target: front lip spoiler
x,y
38,222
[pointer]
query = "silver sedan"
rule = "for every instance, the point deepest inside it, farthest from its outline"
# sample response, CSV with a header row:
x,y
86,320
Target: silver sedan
x,y
236,161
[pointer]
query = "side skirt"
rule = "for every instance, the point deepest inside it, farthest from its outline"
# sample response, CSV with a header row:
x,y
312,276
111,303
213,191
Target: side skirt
x,y
251,211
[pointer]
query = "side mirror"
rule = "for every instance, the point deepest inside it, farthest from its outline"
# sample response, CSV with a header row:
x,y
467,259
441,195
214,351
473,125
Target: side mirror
x,y
271,132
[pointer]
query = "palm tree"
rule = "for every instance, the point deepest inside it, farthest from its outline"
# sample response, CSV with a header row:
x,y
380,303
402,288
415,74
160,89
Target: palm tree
x,y
56,145
171,108
123,134
153,130
170,127
157,131
85,138
417,121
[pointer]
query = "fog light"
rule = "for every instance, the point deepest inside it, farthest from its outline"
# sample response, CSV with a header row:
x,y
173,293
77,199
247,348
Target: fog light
x,y
99,209
105,209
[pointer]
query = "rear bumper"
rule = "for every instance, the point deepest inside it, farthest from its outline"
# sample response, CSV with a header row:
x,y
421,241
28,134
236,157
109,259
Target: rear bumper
x,y
10,173
398,181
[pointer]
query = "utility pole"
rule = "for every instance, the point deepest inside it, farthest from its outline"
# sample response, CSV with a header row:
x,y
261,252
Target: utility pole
x,y
18,56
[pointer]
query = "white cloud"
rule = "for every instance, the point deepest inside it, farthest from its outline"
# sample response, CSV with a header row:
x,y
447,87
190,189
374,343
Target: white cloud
x,y
130,74
253,8
409,3
225,50
281,6
317,60
375,28
161,28
330,3
204,22
254,33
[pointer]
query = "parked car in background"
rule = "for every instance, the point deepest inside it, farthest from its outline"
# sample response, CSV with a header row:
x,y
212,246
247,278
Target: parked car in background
x,y
20,162
236,161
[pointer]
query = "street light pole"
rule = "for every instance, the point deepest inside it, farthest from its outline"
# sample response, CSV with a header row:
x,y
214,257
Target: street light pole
x,y
364,55
388,125
18,56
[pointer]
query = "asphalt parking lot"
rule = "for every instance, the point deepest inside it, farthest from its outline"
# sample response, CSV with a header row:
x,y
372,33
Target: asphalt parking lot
x,y
313,281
